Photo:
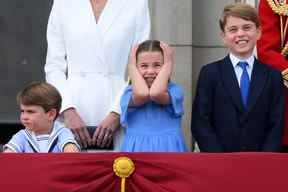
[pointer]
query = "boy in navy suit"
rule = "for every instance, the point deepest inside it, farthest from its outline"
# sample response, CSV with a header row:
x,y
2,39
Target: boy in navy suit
x,y
239,102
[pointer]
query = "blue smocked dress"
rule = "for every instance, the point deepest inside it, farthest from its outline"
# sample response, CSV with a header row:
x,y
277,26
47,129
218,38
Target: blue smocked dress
x,y
152,127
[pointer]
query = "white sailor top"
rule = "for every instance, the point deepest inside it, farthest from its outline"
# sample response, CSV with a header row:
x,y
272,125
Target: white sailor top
x,y
25,141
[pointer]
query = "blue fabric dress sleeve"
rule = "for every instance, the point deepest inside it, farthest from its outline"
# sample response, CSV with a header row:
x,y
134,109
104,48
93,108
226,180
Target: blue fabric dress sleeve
x,y
176,98
16,143
124,104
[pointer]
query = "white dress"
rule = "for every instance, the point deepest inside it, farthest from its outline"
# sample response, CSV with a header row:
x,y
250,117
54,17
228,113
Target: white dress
x,y
86,61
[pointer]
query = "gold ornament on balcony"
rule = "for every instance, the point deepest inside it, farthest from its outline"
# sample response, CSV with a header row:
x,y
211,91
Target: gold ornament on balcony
x,y
123,167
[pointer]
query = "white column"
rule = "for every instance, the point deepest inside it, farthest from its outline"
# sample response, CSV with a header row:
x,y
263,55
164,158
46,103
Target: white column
x,y
172,23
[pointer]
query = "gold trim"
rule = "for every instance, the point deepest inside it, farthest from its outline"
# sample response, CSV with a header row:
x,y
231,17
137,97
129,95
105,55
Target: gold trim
x,y
284,50
280,7
285,77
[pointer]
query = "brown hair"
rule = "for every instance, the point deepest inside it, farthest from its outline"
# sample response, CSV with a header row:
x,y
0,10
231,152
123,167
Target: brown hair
x,y
240,10
42,94
149,46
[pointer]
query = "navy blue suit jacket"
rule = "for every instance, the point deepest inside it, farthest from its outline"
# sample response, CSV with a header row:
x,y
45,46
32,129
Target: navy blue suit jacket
x,y
220,123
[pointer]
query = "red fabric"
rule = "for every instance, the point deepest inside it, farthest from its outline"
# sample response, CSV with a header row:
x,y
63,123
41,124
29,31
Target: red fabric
x,y
161,172
269,48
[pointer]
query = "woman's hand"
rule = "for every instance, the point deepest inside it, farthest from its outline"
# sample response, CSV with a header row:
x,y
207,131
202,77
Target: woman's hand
x,y
74,122
103,135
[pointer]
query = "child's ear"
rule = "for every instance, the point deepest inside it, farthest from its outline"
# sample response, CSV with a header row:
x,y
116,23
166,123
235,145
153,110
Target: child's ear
x,y
222,36
52,114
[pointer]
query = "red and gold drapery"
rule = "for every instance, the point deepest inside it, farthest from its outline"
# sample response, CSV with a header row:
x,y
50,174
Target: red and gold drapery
x,y
202,172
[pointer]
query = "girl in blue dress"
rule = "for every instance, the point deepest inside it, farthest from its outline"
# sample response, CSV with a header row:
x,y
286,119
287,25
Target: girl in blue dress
x,y
151,107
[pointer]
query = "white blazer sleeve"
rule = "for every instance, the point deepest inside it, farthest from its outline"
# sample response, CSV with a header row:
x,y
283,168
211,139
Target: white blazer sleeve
x,y
116,105
56,64
143,23
142,33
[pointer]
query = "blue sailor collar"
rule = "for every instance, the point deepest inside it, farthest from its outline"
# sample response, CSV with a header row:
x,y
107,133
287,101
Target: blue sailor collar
x,y
53,137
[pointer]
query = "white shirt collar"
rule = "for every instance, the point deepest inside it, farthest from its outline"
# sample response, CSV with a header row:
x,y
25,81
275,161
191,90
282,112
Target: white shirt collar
x,y
235,60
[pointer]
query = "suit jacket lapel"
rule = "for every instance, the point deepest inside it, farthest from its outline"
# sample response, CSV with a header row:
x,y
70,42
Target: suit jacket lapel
x,y
257,83
230,82
110,13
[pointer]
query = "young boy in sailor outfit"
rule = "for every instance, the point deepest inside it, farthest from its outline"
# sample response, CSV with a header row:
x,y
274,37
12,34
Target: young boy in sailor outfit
x,y
40,104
